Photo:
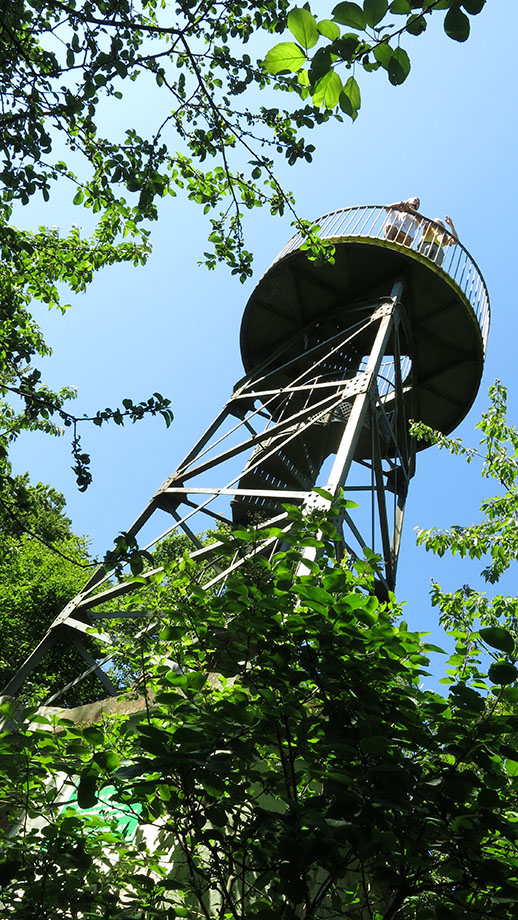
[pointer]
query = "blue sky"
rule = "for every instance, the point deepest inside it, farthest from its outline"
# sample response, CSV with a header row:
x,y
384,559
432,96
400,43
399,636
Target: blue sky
x,y
448,135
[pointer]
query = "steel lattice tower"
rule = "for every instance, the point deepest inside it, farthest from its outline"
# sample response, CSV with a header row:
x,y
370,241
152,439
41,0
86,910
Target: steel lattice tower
x,y
337,357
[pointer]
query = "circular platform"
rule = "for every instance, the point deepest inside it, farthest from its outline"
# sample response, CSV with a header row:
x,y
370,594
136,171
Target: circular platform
x,y
445,300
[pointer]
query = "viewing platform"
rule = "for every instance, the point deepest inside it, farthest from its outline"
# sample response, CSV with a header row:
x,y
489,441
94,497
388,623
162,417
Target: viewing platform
x,y
445,301
374,222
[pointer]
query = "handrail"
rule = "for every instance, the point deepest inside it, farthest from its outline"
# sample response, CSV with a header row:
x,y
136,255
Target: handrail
x,y
412,231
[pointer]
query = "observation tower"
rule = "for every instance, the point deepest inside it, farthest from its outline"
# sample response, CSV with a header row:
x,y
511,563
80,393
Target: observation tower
x,y
338,358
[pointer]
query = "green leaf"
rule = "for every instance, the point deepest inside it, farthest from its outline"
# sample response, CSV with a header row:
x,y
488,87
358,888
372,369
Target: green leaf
x,y
176,680
309,592
154,740
473,6
272,804
383,54
286,57
502,673
311,566
400,7
374,11
416,25
374,744
107,760
87,789
328,29
399,67
320,65
350,100
327,91
349,14
7,709
467,698
324,494
78,197
93,735
303,26
498,637
196,680
217,816
456,24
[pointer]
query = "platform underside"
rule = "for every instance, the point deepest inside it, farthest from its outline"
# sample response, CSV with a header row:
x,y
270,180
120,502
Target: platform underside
x,y
444,339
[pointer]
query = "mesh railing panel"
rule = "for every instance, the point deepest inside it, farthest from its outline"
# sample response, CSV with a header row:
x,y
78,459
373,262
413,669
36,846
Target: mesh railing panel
x,y
417,233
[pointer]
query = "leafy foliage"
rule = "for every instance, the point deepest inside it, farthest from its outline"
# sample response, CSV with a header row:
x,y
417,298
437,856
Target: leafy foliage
x,y
495,535
290,764
32,268
42,565
493,539
374,43
66,74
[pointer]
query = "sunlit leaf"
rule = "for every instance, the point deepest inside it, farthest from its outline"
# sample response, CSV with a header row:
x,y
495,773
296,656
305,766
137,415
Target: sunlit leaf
x,y
324,494
311,592
328,29
303,26
286,57
350,99
107,760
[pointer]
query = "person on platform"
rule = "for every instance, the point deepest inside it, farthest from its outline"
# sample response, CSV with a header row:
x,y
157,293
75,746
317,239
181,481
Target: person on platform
x,y
403,221
436,239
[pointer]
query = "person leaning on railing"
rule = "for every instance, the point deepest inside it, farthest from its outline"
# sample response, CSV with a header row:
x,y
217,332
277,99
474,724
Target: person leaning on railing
x,y
401,226
436,239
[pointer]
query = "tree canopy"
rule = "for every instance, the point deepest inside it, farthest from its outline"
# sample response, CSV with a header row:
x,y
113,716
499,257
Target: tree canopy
x,y
65,84
42,566
292,764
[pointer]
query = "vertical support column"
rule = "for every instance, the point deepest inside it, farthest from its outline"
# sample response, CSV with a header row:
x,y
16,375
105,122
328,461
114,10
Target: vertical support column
x,y
381,500
349,440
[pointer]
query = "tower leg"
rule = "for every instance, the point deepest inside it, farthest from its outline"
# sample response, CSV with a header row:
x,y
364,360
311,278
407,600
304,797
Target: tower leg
x,y
387,315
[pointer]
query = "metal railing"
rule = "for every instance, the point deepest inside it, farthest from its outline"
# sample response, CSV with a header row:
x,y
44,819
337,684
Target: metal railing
x,y
387,374
397,229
